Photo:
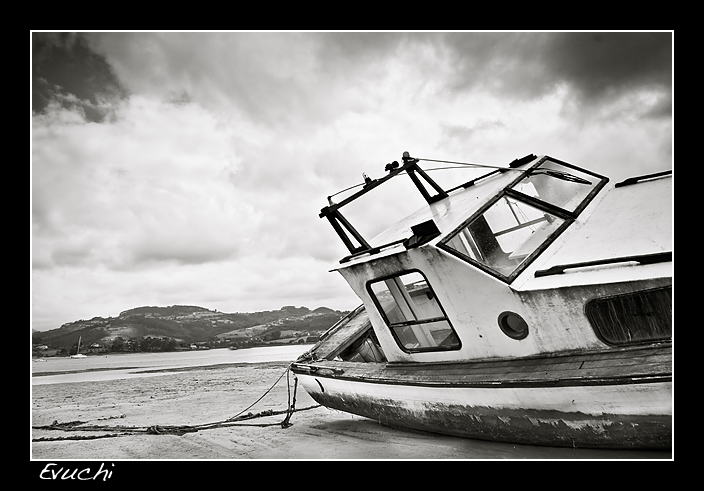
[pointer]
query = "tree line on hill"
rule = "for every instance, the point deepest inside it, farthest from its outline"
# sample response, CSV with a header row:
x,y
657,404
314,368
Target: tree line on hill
x,y
183,327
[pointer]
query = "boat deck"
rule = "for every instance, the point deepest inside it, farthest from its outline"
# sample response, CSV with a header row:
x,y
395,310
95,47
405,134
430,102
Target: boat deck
x,y
633,365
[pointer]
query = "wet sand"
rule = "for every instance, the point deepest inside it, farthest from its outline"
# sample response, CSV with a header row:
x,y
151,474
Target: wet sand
x,y
199,395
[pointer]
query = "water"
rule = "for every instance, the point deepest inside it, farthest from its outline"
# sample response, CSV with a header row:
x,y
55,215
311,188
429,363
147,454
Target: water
x,y
131,365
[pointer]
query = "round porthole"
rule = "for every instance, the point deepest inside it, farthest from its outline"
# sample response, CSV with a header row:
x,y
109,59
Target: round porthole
x,y
513,325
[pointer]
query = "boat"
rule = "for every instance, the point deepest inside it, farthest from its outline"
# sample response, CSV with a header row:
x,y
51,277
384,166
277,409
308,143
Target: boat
x,y
529,305
78,354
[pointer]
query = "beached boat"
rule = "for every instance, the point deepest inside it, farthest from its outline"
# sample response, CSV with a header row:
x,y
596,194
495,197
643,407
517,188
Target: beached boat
x,y
530,305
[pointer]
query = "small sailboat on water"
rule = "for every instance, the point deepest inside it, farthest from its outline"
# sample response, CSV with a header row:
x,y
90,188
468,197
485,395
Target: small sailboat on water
x,y
78,351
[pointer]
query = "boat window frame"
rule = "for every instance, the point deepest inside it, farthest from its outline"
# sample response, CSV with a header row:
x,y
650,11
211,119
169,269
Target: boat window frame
x,y
550,208
390,325
509,191
617,308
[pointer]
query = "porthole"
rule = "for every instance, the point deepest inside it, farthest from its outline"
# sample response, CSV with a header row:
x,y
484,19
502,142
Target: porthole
x,y
513,325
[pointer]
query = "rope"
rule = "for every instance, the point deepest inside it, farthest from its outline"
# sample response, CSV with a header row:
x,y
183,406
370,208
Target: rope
x,y
263,395
236,420
291,405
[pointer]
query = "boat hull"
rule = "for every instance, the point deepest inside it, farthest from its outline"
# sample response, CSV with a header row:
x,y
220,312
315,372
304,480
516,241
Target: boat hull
x,y
626,412
565,416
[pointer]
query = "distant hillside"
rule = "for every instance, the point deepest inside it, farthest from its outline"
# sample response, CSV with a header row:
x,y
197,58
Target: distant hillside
x,y
186,324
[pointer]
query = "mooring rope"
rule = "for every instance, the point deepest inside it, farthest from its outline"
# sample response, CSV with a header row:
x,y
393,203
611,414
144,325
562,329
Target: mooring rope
x,y
263,395
237,420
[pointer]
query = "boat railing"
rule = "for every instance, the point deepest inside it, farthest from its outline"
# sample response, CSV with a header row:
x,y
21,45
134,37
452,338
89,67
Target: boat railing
x,y
635,180
658,257
305,367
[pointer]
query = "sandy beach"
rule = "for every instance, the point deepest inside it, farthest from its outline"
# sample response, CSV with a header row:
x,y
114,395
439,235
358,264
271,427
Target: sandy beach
x,y
195,396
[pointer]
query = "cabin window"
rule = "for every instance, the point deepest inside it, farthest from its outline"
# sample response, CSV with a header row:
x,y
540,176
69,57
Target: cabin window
x,y
512,229
365,349
558,185
412,312
504,235
632,318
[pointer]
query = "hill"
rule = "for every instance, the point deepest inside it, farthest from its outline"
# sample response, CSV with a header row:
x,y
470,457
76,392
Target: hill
x,y
187,324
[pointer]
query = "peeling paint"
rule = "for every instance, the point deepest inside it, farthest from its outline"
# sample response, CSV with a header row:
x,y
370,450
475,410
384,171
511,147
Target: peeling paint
x,y
534,426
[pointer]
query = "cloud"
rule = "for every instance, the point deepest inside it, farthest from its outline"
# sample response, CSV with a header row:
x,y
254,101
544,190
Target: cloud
x,y
67,70
148,186
266,77
602,66
191,167
595,68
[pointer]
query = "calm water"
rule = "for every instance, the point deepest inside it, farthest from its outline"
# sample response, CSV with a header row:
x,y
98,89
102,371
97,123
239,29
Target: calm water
x,y
130,365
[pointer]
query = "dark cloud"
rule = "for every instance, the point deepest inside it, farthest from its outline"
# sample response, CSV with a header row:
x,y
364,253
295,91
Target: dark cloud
x,y
600,65
65,70
595,67
340,48
282,77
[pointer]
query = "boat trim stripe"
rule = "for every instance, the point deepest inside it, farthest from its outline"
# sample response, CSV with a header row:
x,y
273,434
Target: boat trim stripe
x,y
339,374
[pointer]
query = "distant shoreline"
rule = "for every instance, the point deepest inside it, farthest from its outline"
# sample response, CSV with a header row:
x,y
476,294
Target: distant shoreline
x,y
112,353
167,369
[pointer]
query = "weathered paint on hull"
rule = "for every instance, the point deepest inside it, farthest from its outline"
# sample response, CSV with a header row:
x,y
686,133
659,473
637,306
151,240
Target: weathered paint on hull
x,y
598,416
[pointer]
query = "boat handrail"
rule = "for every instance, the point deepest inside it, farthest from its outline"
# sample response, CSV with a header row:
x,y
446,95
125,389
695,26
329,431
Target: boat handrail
x,y
637,179
658,257
314,368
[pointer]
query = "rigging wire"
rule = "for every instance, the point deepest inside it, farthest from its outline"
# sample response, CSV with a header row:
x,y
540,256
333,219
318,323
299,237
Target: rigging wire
x,y
471,164
463,166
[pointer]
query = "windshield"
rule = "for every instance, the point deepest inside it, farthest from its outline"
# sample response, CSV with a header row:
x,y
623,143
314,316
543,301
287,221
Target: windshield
x,y
504,235
512,229
557,185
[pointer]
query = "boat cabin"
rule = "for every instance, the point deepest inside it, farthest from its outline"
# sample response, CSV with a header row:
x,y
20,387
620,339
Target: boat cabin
x,y
537,257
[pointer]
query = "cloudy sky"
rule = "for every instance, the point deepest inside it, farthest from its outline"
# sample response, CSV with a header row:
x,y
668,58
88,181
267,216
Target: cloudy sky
x,y
190,167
